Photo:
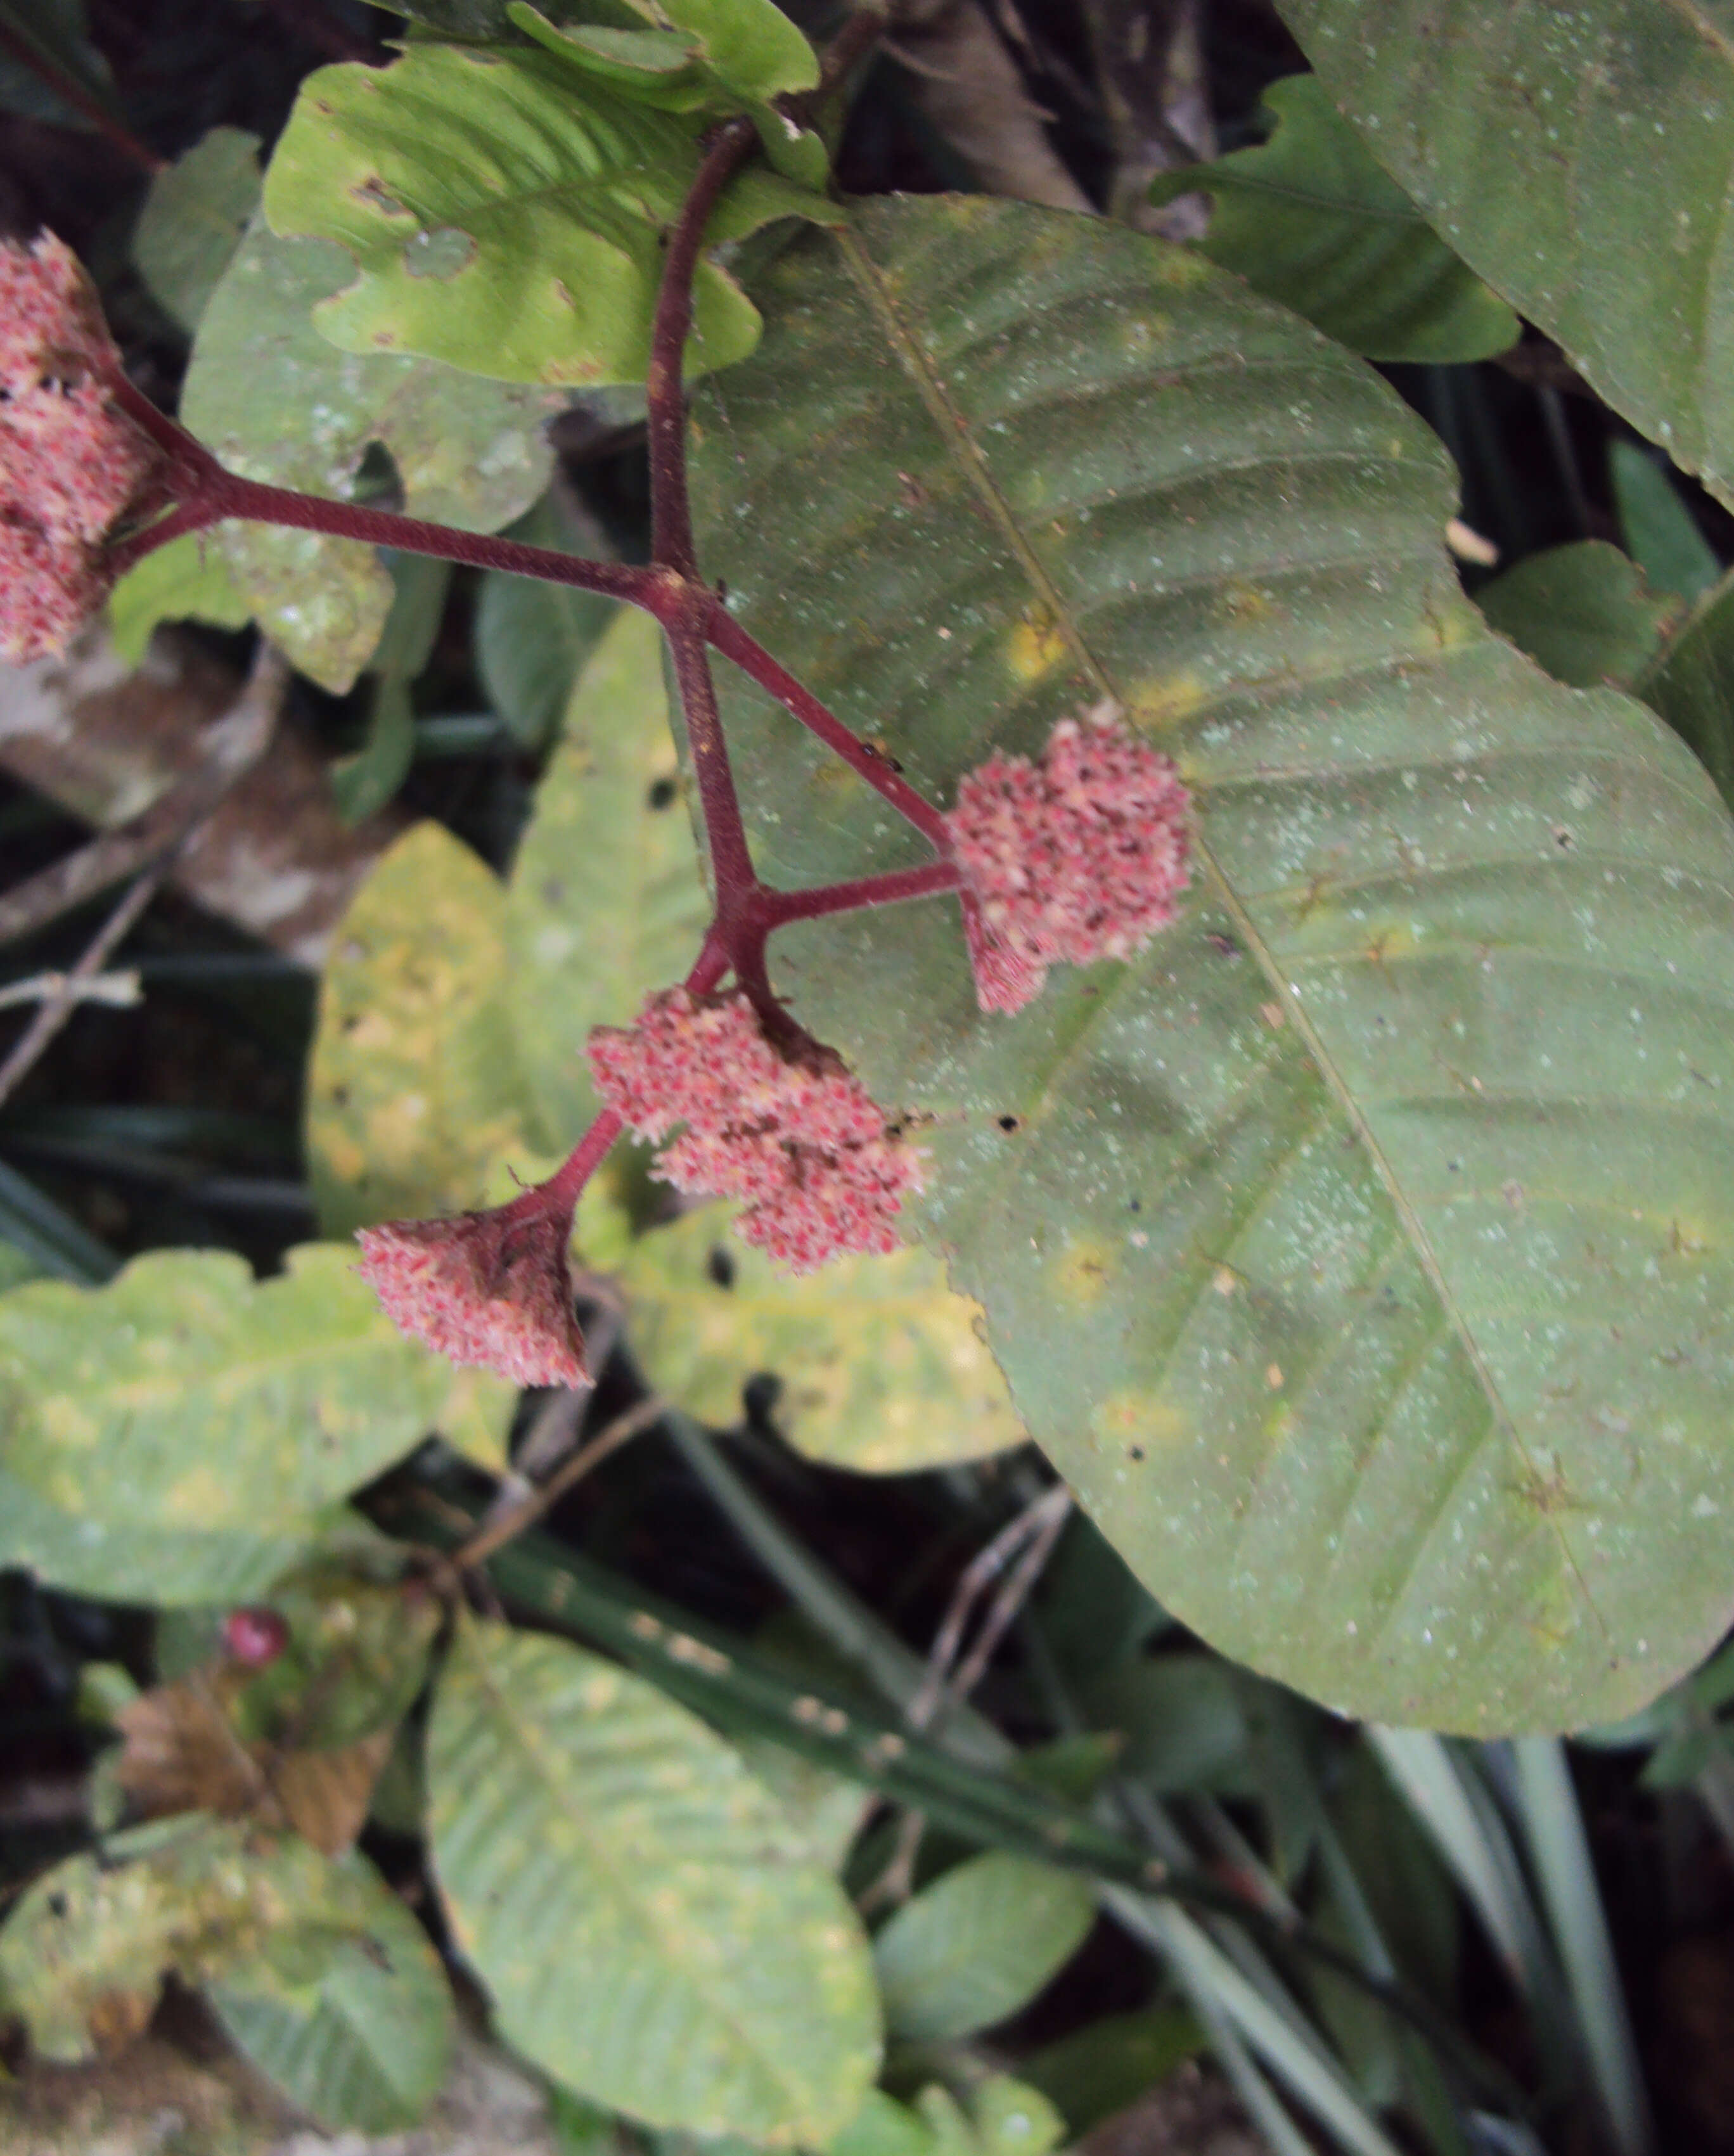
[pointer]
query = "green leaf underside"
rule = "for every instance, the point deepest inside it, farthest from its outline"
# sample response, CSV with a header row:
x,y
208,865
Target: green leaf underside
x,y
1309,220
276,402
1581,161
1359,1251
193,220
1583,612
977,1945
182,1435
503,213
646,1921
348,2012
187,580
880,1365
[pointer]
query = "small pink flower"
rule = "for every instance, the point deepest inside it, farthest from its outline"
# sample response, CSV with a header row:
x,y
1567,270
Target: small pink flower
x,y
490,1288
70,464
1077,857
803,1143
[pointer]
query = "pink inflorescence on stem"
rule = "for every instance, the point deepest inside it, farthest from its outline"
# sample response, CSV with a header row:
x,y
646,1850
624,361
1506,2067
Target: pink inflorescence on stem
x,y
1076,857
70,464
490,1288
803,1142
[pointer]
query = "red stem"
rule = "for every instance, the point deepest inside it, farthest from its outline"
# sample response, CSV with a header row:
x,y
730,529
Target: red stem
x,y
776,909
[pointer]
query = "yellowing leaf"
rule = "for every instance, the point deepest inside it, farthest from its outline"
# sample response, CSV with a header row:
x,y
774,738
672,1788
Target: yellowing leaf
x,y
185,1433
606,902
883,1368
650,1925
413,1091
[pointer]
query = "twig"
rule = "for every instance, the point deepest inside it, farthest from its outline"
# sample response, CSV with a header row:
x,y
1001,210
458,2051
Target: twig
x,y
1037,1524
249,728
56,1009
233,746
1034,1531
118,990
482,1545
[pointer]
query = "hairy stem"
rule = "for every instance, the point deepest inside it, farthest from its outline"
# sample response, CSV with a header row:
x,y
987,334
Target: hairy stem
x,y
776,909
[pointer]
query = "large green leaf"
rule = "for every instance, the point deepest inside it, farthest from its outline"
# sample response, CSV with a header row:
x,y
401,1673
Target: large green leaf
x,y
882,1367
977,1945
1308,218
648,1926
503,212
1578,158
606,902
181,1434
1359,1252
276,402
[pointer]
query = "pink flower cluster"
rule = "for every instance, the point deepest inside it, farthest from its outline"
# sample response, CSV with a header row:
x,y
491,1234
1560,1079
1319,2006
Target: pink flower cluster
x,y
1075,857
490,1288
797,1136
69,462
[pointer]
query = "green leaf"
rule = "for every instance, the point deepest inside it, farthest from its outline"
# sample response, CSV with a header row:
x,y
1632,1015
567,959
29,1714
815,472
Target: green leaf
x,y
606,902
192,221
347,2011
977,1945
365,782
1577,161
1308,219
182,1435
1109,2063
277,403
1584,612
186,580
1305,1238
1182,1721
413,1089
1691,682
274,1925
748,51
647,1926
532,639
1660,530
882,1367
504,213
